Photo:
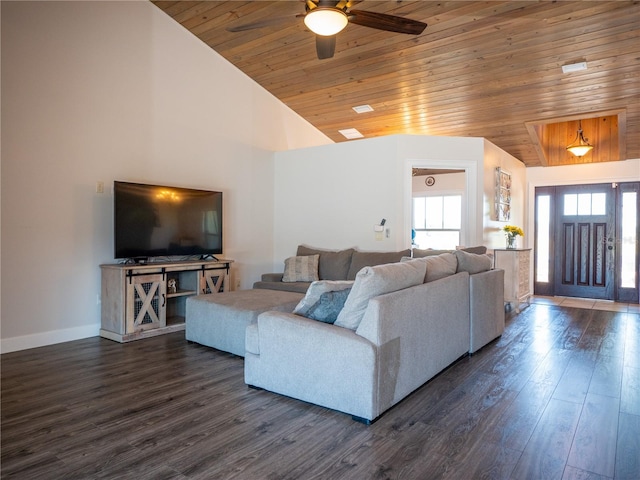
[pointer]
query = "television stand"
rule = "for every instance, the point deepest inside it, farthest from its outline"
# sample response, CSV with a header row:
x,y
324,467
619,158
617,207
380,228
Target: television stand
x,y
145,300
209,257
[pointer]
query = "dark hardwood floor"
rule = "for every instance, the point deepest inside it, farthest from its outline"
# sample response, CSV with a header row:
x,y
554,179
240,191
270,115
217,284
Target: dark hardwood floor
x,y
556,397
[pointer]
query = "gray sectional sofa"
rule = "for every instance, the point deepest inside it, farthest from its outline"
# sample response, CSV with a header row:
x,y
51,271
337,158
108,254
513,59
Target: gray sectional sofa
x,y
345,264
400,325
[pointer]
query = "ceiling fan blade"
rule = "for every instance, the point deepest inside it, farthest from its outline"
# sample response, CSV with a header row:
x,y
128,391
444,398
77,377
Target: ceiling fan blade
x,y
325,46
268,22
390,23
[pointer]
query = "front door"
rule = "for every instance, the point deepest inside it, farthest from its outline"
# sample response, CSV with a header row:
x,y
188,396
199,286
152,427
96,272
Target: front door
x,y
585,241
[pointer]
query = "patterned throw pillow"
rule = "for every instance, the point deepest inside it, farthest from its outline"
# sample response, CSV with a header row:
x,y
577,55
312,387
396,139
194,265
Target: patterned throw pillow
x,y
327,308
318,296
301,269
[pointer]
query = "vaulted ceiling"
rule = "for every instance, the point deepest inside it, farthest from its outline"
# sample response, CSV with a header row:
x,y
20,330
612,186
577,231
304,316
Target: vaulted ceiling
x,y
488,69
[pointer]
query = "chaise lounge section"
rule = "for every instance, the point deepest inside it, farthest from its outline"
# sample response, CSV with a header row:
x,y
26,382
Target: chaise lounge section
x,y
405,336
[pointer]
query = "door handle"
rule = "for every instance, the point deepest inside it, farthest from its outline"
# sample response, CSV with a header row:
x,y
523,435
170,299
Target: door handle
x,y
610,243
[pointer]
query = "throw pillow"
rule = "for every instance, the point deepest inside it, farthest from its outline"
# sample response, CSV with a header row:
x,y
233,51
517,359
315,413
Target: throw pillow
x,y
359,260
472,263
301,269
316,290
377,280
333,265
329,306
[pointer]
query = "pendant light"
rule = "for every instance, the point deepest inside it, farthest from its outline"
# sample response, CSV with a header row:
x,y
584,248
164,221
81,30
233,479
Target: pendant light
x,y
580,146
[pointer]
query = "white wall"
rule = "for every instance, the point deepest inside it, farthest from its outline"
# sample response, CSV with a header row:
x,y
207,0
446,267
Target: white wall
x,y
99,91
493,235
446,183
332,196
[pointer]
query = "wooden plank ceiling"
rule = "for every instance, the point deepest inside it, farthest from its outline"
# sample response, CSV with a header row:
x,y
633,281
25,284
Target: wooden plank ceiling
x,y
482,69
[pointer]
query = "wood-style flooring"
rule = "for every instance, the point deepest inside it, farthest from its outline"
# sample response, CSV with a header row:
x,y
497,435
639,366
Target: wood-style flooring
x,y
556,397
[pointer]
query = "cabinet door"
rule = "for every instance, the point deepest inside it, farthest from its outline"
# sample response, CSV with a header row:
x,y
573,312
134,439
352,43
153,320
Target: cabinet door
x,y
146,302
213,281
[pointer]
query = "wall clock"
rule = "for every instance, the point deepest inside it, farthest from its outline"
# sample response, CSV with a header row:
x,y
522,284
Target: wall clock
x,y
429,181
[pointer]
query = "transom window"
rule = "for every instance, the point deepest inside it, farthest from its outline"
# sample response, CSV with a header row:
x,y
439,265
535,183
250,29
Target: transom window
x,y
437,221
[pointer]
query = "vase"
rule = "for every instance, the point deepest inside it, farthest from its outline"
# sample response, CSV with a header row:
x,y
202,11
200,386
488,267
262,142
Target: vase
x,y
511,242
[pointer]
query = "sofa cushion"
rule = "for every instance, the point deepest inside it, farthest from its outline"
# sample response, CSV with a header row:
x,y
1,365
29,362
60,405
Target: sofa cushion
x,y
301,269
479,250
420,253
438,266
316,290
377,280
472,262
297,287
359,260
333,265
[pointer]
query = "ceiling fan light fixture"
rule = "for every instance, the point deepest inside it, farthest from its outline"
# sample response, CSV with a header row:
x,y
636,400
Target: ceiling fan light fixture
x,y
326,21
580,146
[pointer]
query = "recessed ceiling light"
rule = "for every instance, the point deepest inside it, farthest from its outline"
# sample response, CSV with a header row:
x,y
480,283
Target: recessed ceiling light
x,y
363,108
351,133
574,67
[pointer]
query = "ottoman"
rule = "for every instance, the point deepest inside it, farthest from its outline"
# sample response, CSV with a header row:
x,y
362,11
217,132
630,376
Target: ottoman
x,y
219,320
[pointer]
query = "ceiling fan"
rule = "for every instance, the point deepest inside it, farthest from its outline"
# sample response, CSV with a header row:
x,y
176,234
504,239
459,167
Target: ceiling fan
x,y
326,18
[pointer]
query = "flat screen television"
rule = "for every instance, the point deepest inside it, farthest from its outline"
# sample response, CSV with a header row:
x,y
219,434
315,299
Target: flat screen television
x,y
157,221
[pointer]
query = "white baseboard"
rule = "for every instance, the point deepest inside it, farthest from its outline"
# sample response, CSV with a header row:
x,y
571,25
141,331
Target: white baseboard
x,y
24,342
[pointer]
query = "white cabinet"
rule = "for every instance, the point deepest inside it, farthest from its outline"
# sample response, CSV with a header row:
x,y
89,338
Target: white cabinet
x,y
140,301
516,264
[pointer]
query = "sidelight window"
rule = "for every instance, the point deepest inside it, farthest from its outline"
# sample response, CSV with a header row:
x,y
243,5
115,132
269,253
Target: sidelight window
x,y
628,244
543,223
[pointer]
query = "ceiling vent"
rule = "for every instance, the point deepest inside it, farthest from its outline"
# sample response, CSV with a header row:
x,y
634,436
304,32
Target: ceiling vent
x,y
351,133
363,108
574,67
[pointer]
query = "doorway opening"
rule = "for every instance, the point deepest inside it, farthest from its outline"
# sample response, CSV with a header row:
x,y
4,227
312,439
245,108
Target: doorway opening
x,y
437,208
587,241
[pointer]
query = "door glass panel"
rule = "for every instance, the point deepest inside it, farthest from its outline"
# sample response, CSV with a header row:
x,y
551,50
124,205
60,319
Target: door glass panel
x,y
628,244
599,204
542,240
584,204
570,204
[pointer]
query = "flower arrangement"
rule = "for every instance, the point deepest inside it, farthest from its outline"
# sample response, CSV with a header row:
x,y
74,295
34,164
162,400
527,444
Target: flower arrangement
x,y
511,231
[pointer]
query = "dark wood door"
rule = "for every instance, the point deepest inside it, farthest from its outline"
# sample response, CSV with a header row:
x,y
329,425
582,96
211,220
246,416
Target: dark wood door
x,y
585,241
